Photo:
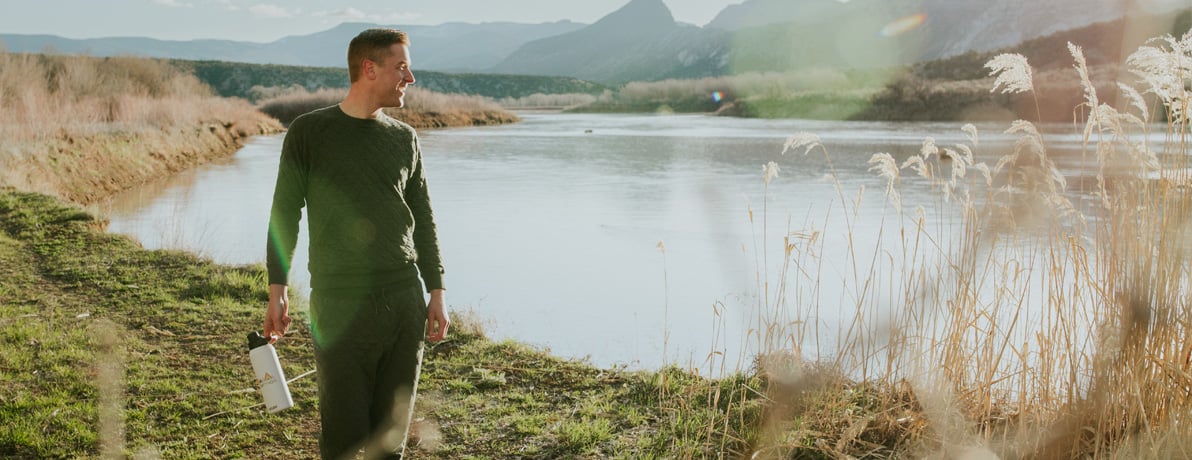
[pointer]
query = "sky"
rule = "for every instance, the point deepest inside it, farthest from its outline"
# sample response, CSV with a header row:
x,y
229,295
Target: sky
x,y
269,20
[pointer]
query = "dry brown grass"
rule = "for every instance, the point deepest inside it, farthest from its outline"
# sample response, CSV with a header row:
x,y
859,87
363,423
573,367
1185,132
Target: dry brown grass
x,y
84,127
1024,321
548,101
424,108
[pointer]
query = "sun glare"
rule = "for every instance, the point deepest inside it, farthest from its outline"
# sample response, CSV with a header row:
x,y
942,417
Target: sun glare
x,y
903,25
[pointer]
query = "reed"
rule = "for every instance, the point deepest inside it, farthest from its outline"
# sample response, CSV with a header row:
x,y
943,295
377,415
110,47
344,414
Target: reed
x,y
547,101
424,108
83,127
1016,320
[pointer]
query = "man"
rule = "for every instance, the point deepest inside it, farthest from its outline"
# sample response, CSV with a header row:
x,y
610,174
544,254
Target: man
x,y
359,173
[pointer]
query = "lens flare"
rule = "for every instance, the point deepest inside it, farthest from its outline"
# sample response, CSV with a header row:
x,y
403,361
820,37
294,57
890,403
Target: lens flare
x,y
716,96
903,25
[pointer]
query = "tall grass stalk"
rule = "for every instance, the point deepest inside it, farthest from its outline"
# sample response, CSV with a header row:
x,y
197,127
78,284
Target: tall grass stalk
x,y
1008,320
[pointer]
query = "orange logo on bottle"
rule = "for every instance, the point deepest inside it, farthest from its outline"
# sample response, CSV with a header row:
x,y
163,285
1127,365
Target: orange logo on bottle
x,y
266,379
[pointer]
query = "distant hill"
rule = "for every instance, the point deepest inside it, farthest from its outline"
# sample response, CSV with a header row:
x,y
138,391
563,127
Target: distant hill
x,y
233,79
757,13
455,47
952,26
639,41
642,41
445,47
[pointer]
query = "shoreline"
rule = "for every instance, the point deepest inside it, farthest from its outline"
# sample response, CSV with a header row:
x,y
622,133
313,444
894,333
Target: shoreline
x,y
89,168
76,300
172,323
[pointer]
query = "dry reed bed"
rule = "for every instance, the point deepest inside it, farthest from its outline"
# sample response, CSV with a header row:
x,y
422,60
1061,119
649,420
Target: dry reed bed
x,y
83,128
1033,323
424,108
816,93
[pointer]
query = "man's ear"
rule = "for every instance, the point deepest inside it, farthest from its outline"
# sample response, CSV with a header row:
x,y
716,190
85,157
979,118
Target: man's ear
x,y
370,69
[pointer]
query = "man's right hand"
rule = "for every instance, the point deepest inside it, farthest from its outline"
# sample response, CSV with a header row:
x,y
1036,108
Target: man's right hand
x,y
277,316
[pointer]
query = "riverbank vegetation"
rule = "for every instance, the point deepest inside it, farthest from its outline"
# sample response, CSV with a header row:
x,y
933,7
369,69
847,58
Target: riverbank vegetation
x,y
424,108
1037,314
110,349
1036,324
82,128
956,88
257,82
823,93
1043,324
950,89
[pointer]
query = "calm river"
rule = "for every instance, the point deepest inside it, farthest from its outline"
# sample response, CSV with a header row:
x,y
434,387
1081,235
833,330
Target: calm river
x,y
551,227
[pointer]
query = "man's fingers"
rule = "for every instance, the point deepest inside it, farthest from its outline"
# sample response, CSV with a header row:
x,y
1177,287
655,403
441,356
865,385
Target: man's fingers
x,y
436,329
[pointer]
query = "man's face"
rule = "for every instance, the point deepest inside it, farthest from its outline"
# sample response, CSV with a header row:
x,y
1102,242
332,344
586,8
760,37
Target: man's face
x,y
393,75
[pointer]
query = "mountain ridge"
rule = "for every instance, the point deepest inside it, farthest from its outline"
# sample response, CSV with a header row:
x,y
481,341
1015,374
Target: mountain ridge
x,y
642,41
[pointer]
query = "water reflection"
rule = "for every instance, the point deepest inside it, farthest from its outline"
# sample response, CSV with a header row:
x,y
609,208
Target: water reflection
x,y
550,232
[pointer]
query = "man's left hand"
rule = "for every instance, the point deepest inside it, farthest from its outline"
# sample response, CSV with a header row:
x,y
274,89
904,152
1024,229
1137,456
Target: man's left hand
x,y
437,320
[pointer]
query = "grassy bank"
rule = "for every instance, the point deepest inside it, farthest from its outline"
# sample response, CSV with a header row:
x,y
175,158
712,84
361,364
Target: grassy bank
x,y
1034,323
109,348
83,128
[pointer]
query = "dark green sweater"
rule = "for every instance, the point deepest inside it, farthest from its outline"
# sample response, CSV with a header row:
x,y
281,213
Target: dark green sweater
x,y
368,210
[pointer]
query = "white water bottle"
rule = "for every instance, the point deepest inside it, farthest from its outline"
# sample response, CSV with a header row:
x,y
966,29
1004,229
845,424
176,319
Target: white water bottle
x,y
269,375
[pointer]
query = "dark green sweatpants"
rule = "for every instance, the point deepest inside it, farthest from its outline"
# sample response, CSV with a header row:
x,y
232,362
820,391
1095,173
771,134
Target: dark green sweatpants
x,y
368,352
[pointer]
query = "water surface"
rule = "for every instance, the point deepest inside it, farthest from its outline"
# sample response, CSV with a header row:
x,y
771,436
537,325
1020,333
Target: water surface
x,y
551,228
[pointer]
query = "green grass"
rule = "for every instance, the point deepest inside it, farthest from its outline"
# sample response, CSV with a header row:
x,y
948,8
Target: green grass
x,y
179,323
175,328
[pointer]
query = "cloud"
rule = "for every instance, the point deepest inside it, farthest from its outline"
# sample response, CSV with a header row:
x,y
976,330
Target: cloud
x,y
354,14
227,5
346,13
269,11
173,3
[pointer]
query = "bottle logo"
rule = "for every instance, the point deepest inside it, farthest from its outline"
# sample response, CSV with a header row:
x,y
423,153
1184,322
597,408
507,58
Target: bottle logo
x,y
267,379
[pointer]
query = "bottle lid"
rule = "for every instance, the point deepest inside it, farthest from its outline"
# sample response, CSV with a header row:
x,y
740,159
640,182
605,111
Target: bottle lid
x,y
255,339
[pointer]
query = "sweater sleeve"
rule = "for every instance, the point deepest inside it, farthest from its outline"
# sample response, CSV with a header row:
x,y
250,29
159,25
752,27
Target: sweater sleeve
x,y
426,240
289,196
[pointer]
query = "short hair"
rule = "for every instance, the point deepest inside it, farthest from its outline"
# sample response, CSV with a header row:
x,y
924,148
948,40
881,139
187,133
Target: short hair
x,y
372,44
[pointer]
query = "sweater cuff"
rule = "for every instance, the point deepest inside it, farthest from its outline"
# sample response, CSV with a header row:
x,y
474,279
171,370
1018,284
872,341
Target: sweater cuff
x,y
278,278
433,280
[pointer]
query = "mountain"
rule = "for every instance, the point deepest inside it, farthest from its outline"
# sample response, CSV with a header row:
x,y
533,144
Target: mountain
x,y
971,25
642,40
757,13
446,47
639,41
452,46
